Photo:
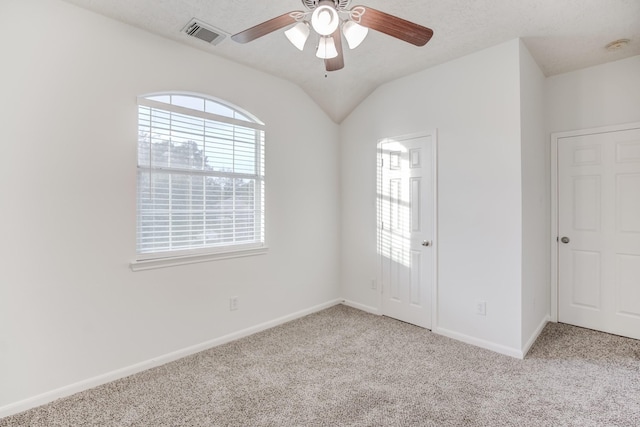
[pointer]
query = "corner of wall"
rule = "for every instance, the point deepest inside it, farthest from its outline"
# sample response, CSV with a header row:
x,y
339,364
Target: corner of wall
x,y
535,200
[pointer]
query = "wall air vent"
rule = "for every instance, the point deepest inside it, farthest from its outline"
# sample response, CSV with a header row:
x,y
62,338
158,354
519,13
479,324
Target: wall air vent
x,y
205,32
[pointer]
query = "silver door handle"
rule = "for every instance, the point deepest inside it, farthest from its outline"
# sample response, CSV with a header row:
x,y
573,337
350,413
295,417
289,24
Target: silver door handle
x,y
565,240
426,243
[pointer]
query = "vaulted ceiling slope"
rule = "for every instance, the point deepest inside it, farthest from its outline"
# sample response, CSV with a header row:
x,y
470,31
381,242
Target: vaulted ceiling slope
x,y
562,35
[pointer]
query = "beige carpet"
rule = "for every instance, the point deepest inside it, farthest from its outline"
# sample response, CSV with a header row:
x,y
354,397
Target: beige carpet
x,y
343,367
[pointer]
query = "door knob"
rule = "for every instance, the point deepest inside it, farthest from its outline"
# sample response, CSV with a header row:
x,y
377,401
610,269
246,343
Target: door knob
x,y
426,243
565,240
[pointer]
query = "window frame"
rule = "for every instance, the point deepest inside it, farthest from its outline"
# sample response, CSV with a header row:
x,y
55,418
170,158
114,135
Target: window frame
x,y
158,259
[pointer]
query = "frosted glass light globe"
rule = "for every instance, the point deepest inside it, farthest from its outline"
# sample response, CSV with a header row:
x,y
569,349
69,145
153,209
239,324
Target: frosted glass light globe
x,y
325,18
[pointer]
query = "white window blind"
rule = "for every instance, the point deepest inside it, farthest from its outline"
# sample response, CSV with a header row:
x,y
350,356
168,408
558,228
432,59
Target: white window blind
x,y
200,177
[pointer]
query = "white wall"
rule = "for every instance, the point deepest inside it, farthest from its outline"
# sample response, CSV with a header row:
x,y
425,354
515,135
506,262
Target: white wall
x,y
535,200
603,95
474,102
70,308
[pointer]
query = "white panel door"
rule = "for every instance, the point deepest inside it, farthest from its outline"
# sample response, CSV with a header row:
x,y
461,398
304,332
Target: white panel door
x,y
406,221
599,231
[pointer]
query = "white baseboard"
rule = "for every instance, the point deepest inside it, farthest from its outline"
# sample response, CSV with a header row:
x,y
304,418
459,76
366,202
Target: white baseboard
x,y
489,345
44,398
362,307
535,335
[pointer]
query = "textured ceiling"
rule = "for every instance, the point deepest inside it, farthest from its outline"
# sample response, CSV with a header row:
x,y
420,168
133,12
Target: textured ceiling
x,y
562,35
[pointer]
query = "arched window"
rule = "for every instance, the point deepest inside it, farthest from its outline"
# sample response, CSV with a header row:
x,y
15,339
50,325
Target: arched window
x,y
200,177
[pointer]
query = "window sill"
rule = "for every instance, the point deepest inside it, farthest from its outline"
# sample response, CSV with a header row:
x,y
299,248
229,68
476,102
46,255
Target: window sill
x,y
150,264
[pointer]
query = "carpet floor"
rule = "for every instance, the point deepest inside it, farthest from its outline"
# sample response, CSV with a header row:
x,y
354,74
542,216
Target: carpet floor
x,y
344,367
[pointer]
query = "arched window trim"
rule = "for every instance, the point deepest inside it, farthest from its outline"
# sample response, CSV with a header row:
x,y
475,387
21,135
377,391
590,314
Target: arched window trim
x,y
163,258
144,99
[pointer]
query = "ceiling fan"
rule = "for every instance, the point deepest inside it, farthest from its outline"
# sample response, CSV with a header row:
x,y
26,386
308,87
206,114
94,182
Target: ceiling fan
x,y
331,19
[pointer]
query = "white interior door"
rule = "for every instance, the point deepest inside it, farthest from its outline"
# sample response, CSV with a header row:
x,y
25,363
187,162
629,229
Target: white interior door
x,y
599,231
406,228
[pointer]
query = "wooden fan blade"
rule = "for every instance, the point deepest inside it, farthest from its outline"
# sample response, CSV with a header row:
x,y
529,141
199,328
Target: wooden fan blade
x,y
337,63
395,27
265,28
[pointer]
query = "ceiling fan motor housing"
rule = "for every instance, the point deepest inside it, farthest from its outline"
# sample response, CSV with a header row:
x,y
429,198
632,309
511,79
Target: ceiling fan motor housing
x,y
339,4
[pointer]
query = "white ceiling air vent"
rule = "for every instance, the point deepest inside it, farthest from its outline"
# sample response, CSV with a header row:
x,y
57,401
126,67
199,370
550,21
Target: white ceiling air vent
x,y
205,32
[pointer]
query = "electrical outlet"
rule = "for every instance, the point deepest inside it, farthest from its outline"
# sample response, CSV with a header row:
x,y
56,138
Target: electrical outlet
x,y
481,308
374,284
233,303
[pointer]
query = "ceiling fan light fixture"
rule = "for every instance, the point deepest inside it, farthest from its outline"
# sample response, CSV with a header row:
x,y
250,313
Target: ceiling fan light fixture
x,y
325,19
329,19
354,33
326,48
298,34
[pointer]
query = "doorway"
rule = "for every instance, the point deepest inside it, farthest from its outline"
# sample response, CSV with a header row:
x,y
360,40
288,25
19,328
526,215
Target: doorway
x,y
597,229
407,227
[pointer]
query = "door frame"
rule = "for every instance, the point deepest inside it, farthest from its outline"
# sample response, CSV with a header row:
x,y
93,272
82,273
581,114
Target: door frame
x,y
434,174
555,140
